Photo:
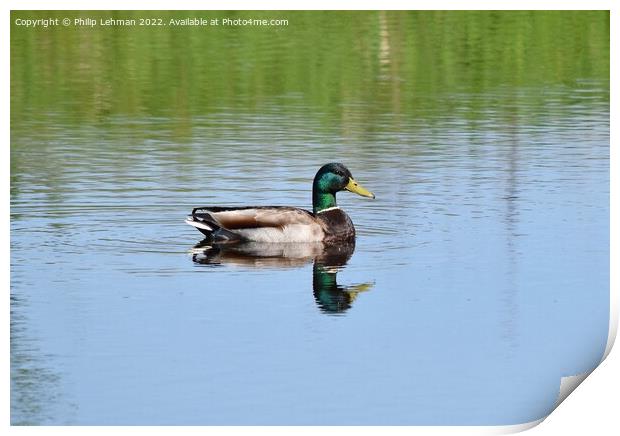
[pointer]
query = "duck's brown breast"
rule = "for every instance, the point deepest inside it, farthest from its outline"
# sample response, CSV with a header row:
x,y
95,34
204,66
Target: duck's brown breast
x,y
336,224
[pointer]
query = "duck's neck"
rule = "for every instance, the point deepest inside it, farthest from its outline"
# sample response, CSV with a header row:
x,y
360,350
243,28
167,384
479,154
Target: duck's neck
x,y
322,200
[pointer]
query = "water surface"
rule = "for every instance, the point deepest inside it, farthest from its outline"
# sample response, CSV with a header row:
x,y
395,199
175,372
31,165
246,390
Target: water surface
x,y
480,275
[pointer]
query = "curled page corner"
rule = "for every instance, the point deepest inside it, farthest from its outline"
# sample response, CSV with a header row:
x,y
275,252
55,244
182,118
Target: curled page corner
x,y
568,384
613,324
518,428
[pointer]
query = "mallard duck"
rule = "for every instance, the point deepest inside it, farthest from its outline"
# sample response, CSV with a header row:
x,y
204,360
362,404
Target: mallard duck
x,y
326,223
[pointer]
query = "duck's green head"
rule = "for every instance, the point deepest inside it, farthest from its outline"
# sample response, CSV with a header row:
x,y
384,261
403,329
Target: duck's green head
x,y
331,178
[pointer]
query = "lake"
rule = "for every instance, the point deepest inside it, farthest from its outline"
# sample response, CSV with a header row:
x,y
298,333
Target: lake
x,y
480,273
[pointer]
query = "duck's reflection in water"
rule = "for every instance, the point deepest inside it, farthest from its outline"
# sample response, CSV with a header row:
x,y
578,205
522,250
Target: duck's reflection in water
x,y
330,297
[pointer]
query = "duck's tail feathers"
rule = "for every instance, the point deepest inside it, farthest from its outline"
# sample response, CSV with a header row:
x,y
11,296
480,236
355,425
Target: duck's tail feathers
x,y
211,228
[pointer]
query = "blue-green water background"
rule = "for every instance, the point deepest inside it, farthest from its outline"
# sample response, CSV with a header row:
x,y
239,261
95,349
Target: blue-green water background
x,y
485,257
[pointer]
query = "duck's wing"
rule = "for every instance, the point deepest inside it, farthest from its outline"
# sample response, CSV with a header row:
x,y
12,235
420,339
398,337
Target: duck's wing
x,y
260,224
266,216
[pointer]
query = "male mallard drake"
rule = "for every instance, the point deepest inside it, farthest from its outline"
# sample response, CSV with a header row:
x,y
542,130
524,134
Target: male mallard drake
x,y
326,223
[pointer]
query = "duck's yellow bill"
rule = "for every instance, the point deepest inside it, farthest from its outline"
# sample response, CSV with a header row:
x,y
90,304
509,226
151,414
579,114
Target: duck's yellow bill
x,y
353,186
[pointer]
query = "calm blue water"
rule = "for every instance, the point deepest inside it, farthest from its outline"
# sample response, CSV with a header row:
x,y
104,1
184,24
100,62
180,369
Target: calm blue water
x,y
484,260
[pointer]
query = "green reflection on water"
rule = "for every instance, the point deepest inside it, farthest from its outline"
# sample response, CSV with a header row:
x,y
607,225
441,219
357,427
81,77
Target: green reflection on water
x,y
396,62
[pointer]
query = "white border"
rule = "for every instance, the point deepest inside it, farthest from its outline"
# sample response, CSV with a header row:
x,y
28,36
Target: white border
x,y
592,410
314,5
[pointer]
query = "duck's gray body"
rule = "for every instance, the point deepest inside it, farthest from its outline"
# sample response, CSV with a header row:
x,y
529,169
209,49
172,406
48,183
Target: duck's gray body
x,y
272,224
